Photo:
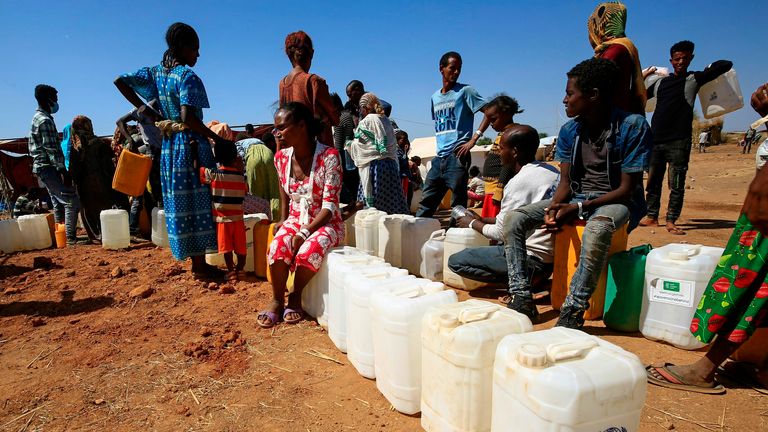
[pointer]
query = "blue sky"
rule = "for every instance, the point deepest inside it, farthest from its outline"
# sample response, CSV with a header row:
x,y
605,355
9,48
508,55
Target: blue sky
x,y
523,48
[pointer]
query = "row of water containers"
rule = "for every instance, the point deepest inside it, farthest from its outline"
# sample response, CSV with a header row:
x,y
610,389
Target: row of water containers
x,y
472,365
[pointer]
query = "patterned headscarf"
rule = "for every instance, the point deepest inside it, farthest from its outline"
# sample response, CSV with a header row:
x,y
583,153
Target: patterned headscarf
x,y
608,21
372,103
82,132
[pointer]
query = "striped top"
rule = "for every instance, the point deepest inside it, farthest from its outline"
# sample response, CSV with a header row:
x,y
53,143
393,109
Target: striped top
x,y
227,190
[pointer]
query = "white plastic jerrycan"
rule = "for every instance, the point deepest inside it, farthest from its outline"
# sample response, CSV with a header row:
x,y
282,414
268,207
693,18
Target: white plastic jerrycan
x,y
314,298
10,236
676,276
415,233
159,229
456,240
115,233
250,222
215,259
431,266
367,230
34,231
390,238
458,348
565,380
359,332
396,317
337,293
721,95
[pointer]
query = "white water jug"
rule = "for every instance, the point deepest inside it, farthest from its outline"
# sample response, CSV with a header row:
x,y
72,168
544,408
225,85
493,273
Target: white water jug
x,y
431,266
215,259
314,298
456,240
396,317
676,276
34,232
415,233
565,380
661,72
359,333
721,95
115,233
390,238
10,236
458,348
250,221
349,232
367,230
159,229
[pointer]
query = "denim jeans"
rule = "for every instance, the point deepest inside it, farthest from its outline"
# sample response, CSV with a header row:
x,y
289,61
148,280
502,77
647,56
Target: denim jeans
x,y
595,243
489,264
677,154
66,204
447,172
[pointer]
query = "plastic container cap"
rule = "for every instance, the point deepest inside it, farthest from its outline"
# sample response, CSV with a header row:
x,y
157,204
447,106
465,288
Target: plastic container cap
x,y
684,255
532,356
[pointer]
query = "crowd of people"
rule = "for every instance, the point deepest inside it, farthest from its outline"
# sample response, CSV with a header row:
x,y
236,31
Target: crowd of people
x,y
324,160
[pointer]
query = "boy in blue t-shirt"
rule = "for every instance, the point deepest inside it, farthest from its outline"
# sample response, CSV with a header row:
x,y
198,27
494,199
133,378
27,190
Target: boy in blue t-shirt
x,y
453,110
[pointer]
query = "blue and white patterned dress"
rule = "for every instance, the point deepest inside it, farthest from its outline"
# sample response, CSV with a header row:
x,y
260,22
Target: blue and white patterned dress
x,y
187,202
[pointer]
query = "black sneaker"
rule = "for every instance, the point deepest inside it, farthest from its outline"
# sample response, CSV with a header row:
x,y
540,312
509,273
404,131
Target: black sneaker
x,y
524,305
571,318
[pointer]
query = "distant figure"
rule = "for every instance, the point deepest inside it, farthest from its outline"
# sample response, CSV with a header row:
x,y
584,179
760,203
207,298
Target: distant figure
x,y
606,28
749,138
704,141
250,131
355,90
228,190
453,109
48,160
403,148
30,202
309,89
672,129
343,133
374,151
476,188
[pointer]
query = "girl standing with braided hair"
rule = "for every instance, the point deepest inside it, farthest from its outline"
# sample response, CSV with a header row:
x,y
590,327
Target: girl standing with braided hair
x,y
181,97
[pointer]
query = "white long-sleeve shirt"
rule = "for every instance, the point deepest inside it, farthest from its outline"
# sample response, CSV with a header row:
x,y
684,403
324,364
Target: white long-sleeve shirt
x,y
536,181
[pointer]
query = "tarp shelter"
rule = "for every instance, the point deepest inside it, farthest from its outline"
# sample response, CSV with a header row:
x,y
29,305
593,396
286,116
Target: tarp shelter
x,y
547,141
16,164
426,149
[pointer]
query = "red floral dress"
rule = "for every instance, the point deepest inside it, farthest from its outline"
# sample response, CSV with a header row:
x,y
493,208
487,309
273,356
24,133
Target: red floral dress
x,y
320,190
736,299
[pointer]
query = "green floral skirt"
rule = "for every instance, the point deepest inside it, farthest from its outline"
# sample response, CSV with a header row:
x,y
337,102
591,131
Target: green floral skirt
x,y
736,299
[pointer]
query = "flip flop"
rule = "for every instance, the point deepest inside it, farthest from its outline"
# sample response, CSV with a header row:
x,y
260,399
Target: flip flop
x,y
274,318
292,311
663,377
232,276
742,374
676,231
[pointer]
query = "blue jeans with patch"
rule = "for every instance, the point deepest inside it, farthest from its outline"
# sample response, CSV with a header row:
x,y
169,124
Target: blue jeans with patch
x,y
447,172
66,204
595,243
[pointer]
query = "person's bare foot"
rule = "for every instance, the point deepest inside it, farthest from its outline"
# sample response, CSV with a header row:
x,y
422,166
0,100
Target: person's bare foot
x,y
649,221
690,375
674,229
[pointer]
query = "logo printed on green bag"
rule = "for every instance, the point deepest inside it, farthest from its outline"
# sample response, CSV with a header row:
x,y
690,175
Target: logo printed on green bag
x,y
671,286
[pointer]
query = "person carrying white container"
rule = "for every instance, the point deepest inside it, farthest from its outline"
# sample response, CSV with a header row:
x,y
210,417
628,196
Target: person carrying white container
x,y
532,182
672,129
602,154
735,302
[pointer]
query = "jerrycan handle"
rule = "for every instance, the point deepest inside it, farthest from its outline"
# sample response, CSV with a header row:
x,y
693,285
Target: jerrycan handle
x,y
569,350
436,234
477,313
408,292
686,254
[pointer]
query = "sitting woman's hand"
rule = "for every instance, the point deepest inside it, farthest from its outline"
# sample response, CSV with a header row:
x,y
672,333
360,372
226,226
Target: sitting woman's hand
x,y
296,243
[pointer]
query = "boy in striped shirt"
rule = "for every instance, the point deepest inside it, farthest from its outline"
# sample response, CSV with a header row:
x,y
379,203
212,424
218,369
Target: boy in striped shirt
x,y
228,189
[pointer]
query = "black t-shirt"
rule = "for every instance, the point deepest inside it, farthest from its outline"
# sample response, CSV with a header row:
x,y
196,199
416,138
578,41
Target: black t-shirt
x,y
594,157
675,95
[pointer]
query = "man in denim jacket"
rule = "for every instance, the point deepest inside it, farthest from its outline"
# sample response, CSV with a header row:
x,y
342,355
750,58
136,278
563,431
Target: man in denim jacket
x,y
602,153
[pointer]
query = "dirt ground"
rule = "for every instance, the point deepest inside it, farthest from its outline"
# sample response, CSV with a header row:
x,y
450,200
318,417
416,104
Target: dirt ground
x,y
129,340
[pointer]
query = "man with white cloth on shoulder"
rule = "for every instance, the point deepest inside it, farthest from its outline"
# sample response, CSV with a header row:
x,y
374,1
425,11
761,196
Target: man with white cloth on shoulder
x,y
533,181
